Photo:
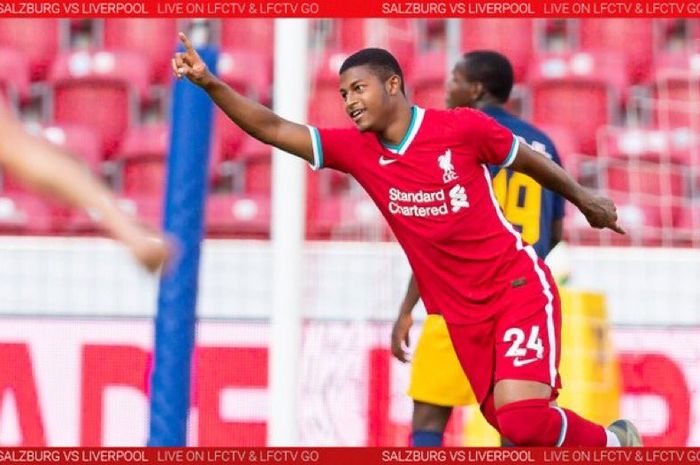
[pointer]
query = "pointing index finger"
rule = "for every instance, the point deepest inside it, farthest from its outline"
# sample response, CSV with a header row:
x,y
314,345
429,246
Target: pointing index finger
x,y
186,42
617,229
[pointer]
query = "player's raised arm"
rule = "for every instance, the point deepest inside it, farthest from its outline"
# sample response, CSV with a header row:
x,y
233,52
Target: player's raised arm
x,y
255,119
44,167
599,211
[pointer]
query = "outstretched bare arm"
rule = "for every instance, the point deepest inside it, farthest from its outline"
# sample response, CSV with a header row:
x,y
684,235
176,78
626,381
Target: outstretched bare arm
x,y
44,167
599,211
255,119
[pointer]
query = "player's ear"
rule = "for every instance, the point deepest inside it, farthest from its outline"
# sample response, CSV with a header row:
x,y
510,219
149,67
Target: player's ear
x,y
478,90
393,85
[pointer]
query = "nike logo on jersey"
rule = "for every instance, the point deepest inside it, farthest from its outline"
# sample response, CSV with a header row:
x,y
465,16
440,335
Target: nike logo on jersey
x,y
387,161
518,362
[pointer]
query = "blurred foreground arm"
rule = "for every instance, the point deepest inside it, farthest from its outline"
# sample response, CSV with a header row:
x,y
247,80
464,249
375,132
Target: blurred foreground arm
x,y
44,167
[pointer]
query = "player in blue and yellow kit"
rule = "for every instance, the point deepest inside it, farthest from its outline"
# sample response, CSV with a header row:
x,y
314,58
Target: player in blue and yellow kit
x,y
483,80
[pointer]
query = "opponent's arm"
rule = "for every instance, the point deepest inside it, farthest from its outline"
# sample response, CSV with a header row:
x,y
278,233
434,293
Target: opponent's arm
x,y
599,211
255,119
403,323
44,167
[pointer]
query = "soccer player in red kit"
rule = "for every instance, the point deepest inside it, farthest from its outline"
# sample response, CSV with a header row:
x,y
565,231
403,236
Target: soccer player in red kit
x,y
426,171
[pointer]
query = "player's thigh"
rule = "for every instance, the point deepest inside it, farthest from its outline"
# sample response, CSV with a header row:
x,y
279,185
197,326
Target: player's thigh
x,y
528,335
474,347
508,391
437,377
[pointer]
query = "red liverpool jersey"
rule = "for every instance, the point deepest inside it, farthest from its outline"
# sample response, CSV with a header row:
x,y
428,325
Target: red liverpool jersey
x,y
434,189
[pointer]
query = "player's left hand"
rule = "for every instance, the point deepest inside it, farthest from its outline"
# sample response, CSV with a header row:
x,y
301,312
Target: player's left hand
x,y
399,336
600,213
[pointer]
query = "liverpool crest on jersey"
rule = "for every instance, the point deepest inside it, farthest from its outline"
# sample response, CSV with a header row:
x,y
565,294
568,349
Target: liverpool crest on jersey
x,y
448,169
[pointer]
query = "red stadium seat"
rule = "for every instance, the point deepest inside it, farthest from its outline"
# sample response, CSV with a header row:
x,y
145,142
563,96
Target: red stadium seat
x,y
101,90
246,71
38,38
399,36
641,221
631,37
143,154
14,80
688,225
644,220
256,35
240,215
577,90
257,163
647,194
350,33
641,178
512,37
326,107
23,213
676,87
80,141
429,80
565,143
227,136
249,73
146,207
680,145
155,38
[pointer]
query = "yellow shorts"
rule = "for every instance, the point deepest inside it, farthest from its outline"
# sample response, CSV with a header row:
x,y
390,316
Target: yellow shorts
x,y
436,375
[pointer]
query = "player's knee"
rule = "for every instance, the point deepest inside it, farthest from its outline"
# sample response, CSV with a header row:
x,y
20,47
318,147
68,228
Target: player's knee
x,y
530,422
430,417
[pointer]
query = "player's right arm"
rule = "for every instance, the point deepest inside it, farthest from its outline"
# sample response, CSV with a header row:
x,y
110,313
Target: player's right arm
x,y
44,167
255,119
403,323
499,147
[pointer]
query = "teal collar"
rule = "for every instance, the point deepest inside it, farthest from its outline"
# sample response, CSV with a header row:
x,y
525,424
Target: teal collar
x,y
417,115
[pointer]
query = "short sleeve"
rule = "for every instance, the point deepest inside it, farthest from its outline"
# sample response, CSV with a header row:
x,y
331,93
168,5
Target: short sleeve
x,y
497,144
333,148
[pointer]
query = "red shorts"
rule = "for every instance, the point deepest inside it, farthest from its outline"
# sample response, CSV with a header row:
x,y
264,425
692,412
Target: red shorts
x,y
521,341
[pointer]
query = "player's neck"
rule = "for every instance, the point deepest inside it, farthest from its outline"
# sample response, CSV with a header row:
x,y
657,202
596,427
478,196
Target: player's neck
x,y
488,101
398,127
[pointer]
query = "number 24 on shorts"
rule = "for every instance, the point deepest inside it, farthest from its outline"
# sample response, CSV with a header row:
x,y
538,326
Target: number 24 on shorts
x,y
516,337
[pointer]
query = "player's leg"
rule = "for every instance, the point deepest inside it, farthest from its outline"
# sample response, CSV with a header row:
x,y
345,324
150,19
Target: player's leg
x,y
526,417
437,384
527,379
429,423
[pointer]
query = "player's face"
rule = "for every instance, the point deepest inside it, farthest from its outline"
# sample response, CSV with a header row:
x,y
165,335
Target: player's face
x,y
366,97
460,91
